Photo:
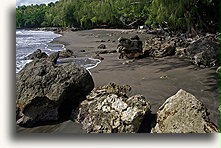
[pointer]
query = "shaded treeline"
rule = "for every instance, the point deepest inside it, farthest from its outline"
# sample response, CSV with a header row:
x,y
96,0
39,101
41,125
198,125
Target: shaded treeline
x,y
182,15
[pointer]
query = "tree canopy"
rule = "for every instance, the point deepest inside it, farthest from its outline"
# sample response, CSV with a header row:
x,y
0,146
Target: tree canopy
x,y
181,15
186,14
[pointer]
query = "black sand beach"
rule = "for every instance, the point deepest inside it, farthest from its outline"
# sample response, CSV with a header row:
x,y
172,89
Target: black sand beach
x,y
156,79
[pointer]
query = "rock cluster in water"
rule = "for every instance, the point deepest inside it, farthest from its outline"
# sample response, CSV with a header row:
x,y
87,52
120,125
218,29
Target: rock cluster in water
x,y
38,54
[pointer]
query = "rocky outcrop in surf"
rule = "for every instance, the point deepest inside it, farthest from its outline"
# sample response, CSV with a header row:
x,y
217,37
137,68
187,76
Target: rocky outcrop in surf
x,y
46,91
38,54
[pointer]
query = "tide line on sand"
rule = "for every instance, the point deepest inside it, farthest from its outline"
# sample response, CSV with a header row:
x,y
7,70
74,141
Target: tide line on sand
x,y
85,62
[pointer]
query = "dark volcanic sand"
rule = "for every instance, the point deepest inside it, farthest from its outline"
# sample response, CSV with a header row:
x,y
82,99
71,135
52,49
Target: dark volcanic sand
x,y
156,79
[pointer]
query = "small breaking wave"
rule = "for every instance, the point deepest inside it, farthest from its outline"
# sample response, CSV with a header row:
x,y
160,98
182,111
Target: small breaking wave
x,y
20,64
27,41
84,62
18,32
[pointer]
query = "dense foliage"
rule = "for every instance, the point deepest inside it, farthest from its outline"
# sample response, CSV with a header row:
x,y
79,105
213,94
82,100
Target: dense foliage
x,y
186,14
177,14
30,16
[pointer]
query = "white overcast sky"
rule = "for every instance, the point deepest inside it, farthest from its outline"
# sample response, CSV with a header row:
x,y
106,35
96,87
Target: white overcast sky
x,y
29,2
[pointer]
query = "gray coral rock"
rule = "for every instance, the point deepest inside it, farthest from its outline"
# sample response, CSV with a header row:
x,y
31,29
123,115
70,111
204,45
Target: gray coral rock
x,y
183,113
158,47
166,49
108,110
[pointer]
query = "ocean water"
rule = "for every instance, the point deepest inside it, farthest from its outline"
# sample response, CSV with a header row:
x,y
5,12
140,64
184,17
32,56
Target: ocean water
x,y
27,41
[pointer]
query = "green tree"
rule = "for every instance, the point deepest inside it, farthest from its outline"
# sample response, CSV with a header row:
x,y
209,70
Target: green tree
x,y
30,16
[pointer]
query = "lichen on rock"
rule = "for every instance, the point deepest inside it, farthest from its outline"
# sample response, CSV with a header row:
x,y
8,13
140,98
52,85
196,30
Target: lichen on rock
x,y
108,110
183,113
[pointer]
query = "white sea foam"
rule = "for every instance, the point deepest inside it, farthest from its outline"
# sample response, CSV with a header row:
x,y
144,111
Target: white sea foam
x,y
27,41
18,32
21,64
93,65
85,62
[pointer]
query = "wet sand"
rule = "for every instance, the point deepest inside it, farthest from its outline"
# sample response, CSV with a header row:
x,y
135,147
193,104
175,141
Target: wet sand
x,y
66,127
156,79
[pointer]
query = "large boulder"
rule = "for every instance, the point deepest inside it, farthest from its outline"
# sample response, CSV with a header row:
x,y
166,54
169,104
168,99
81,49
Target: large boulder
x,y
108,110
36,54
46,91
204,52
183,113
130,48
